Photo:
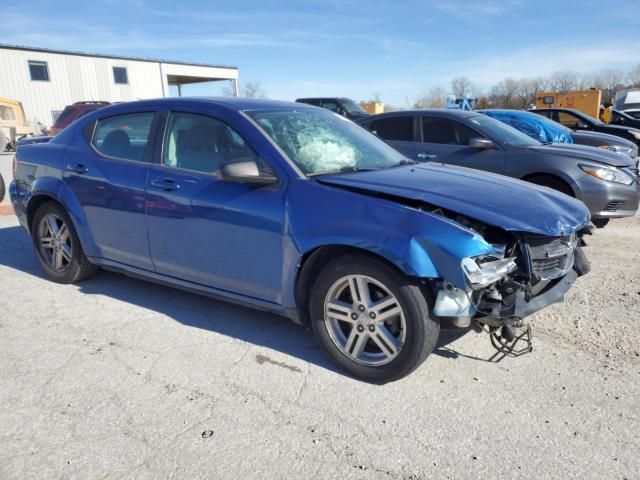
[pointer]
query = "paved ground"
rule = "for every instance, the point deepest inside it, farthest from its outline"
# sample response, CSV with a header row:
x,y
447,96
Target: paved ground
x,y
118,378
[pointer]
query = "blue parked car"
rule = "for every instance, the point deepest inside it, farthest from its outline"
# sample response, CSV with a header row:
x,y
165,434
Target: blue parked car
x,y
546,131
292,209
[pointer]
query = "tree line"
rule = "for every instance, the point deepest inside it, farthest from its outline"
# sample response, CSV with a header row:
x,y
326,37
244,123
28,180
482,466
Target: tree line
x,y
521,93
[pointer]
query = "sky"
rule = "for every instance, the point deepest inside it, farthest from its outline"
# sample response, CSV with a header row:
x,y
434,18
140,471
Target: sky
x,y
359,49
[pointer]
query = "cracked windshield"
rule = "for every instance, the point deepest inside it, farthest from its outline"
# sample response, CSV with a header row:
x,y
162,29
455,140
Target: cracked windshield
x,y
321,142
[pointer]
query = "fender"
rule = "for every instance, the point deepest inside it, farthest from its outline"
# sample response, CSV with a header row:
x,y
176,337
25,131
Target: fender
x,y
56,189
418,243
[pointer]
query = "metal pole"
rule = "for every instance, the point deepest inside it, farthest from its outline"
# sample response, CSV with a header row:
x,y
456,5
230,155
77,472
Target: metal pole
x,y
179,90
234,82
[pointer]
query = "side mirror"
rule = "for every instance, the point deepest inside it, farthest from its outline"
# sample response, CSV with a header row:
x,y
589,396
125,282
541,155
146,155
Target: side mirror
x,y
245,172
481,143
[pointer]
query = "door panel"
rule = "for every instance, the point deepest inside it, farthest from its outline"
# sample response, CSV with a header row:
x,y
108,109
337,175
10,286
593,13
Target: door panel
x,y
201,229
110,190
449,140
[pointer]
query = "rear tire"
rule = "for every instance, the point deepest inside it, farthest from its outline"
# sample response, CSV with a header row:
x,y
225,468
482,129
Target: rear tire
x,y
380,335
57,245
2,188
553,183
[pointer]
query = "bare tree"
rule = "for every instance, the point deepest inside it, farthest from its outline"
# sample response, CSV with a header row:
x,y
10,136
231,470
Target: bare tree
x,y
506,94
434,98
461,86
634,76
248,90
609,81
563,80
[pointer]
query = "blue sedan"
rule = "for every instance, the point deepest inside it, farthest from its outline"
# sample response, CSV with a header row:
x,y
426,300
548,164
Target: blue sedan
x,y
295,210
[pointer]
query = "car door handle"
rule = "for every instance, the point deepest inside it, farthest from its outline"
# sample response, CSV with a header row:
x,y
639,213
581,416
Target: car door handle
x,y
425,155
77,168
165,184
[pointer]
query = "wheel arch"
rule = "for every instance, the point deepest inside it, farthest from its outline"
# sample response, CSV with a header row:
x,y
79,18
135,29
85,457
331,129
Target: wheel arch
x,y
51,189
554,176
311,264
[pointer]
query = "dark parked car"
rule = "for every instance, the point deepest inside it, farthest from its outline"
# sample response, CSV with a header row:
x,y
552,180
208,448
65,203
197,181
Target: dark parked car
x,y
619,117
606,182
581,121
73,112
342,106
294,210
547,131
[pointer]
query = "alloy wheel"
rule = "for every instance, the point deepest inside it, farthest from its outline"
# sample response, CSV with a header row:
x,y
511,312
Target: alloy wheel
x,y
54,241
364,320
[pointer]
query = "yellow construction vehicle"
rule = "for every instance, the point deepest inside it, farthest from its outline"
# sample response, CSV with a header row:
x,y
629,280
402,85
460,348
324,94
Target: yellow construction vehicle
x,y
13,124
586,101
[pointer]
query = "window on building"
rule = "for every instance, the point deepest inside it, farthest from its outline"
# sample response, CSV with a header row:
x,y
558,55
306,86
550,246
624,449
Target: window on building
x,y
120,75
39,71
124,136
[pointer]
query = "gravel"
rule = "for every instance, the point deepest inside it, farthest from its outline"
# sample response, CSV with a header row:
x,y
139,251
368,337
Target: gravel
x,y
119,378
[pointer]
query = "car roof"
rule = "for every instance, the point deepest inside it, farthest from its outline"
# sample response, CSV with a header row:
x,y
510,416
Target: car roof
x,y
441,112
321,98
232,102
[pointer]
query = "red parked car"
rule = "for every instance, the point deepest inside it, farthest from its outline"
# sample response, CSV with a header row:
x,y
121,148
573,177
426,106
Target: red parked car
x,y
71,112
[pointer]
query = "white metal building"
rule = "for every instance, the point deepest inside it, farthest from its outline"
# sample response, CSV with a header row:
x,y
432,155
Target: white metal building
x,y
46,80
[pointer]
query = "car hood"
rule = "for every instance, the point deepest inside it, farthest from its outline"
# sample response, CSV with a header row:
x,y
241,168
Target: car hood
x,y
503,202
585,152
603,138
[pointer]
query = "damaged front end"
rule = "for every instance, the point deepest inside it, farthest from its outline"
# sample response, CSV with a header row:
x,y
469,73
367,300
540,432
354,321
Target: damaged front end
x,y
527,273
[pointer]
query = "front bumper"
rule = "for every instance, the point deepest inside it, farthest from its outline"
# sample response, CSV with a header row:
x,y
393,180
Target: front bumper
x,y
607,199
518,307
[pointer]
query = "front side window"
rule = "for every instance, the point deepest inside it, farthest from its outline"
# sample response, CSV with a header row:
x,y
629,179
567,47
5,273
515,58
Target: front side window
x,y
319,142
501,133
446,131
120,75
568,120
39,71
329,105
124,136
398,128
6,113
203,144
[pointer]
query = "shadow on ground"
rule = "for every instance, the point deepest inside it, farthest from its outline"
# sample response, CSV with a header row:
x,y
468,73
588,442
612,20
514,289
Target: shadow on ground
x,y
246,324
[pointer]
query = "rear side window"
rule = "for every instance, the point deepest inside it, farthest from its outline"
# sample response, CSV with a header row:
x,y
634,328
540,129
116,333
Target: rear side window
x,y
394,128
445,131
124,136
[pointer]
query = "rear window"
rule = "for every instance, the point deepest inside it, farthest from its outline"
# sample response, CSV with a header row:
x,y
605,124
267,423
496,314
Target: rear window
x,y
399,128
65,116
124,136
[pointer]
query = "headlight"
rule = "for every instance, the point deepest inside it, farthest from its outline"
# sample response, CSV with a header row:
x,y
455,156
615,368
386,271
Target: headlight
x,y
608,174
617,149
481,274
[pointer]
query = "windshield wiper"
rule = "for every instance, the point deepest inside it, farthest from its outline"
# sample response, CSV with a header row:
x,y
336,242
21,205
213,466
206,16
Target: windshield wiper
x,y
347,169
404,161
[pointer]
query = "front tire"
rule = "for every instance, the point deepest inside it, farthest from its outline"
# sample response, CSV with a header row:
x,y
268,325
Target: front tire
x,y
371,320
600,222
57,245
